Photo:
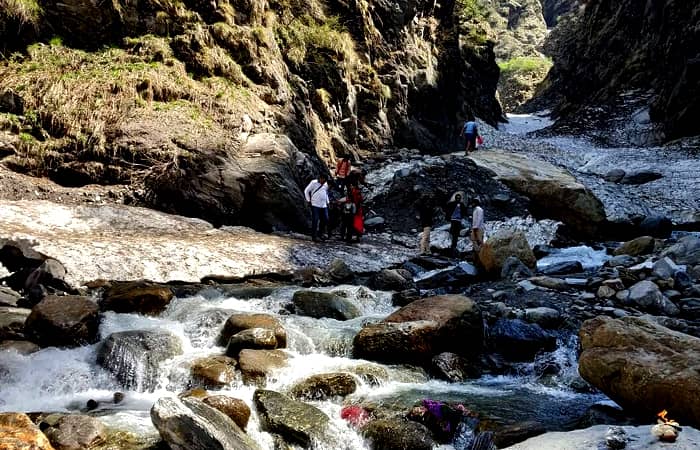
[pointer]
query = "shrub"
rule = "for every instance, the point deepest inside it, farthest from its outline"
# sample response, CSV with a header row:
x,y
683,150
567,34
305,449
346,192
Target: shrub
x,y
525,64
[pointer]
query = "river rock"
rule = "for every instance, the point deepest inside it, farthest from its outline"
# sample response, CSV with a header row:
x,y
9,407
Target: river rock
x,y
68,321
636,247
325,385
397,434
605,292
189,424
520,341
642,366
239,322
50,273
296,421
339,272
214,371
656,226
543,316
405,297
19,254
620,261
682,281
18,432
235,409
451,367
134,357
614,175
452,280
553,283
323,304
21,347
648,296
665,268
12,322
252,338
640,176
501,246
514,269
422,329
256,364
690,308
141,297
685,251
8,297
392,280
76,432
372,374
563,268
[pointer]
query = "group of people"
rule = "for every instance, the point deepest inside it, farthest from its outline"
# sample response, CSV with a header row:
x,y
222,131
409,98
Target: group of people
x,y
455,210
337,201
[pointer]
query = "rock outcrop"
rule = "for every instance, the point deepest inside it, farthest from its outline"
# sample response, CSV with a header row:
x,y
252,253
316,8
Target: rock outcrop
x,y
642,366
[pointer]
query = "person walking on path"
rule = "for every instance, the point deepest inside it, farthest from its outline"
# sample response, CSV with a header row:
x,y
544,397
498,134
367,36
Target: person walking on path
x,y
456,211
426,210
470,132
477,232
342,170
316,194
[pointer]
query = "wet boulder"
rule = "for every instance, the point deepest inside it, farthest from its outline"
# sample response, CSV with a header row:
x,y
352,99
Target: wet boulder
x,y
543,316
643,366
372,374
636,247
68,321
18,432
296,421
141,297
325,385
75,431
252,338
214,371
451,280
323,304
397,434
647,296
134,357
339,271
451,367
12,322
391,280
234,408
518,340
242,321
190,424
422,329
685,251
501,246
255,365
665,268
21,347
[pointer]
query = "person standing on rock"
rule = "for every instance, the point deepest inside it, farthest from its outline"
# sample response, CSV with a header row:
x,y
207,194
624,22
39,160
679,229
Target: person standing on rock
x,y
316,194
342,170
456,211
426,210
470,132
477,232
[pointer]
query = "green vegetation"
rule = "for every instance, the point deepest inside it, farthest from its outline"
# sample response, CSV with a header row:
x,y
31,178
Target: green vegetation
x,y
472,16
304,35
470,10
26,12
525,64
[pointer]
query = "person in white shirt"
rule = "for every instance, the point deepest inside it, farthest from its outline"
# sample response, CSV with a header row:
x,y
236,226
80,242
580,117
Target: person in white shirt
x,y
477,233
316,195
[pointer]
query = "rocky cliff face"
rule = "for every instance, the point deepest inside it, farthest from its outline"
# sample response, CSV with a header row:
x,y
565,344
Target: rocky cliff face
x,y
554,9
611,48
168,94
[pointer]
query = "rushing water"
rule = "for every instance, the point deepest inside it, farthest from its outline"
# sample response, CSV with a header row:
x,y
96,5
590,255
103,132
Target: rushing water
x,y
63,380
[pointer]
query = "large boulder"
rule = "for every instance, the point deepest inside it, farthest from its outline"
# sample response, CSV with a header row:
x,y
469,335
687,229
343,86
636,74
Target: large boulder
x,y
19,254
236,409
642,245
643,366
141,297
397,434
12,322
68,321
552,191
296,421
323,304
325,385
255,365
501,246
76,431
242,321
423,328
189,424
454,368
133,357
520,341
452,280
18,432
685,251
391,280
260,185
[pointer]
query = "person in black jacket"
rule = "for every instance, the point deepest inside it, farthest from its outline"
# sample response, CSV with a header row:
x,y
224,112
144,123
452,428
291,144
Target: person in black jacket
x,y
456,210
426,211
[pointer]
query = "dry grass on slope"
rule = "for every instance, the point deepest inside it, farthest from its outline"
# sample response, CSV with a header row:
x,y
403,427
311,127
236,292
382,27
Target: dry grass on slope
x,y
26,12
75,102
